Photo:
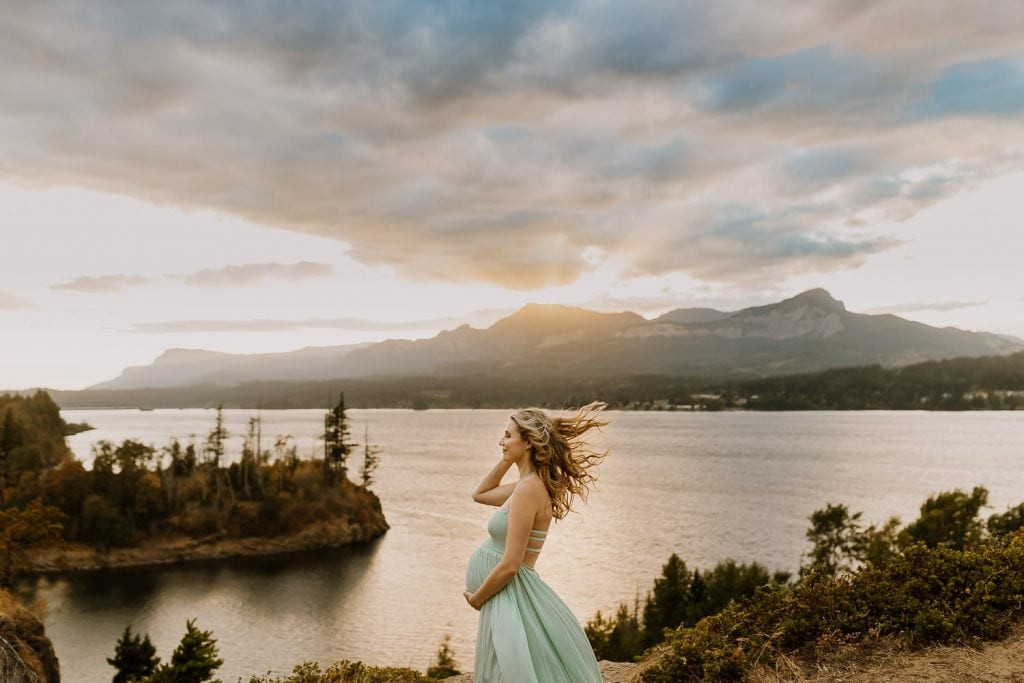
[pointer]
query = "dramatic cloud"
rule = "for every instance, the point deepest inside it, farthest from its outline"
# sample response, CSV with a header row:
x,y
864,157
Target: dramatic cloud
x,y
252,273
503,142
228,276
104,283
10,303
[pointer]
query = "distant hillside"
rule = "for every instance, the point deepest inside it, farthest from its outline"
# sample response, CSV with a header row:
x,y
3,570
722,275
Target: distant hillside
x,y
811,331
183,367
985,383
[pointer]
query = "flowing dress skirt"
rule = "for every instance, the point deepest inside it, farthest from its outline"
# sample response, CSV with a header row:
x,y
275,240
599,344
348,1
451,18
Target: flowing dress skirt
x,y
526,633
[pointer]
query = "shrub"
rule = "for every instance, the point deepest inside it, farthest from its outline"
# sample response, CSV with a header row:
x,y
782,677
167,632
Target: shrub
x,y
346,672
445,665
924,595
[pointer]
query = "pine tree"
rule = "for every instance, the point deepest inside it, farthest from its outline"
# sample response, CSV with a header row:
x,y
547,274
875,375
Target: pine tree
x,y
698,598
10,438
214,449
214,445
371,459
134,657
671,599
193,661
336,443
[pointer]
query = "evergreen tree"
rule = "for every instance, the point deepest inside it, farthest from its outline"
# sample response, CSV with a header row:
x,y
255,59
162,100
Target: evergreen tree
x,y
134,657
337,445
250,461
626,639
193,661
668,605
698,597
729,581
10,435
371,459
214,445
10,438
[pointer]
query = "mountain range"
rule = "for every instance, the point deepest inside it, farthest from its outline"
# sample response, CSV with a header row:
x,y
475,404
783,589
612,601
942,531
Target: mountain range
x,y
810,331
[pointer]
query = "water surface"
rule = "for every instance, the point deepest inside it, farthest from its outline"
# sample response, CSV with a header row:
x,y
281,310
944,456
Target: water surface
x,y
705,485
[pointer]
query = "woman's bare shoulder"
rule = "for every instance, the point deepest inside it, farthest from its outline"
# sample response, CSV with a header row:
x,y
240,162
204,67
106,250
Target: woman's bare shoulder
x,y
531,488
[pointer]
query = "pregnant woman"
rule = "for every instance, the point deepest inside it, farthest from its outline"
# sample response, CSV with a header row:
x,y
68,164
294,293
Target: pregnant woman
x,y
526,633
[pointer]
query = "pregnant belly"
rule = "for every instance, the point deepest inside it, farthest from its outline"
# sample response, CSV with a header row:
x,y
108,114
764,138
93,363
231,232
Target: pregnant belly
x,y
481,562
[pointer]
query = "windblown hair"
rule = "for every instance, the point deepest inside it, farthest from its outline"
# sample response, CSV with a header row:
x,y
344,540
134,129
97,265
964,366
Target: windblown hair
x,y
565,462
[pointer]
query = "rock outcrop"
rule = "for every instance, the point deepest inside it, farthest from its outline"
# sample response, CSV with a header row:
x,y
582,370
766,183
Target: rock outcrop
x,y
26,654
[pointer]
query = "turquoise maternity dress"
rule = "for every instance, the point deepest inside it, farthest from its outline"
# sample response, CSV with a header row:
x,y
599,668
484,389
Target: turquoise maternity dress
x,y
526,633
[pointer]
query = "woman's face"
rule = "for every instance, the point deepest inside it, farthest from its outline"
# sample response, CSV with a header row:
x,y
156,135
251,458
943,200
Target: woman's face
x,y
513,448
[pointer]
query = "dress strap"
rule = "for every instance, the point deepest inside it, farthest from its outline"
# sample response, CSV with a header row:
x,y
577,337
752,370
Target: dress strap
x,y
536,536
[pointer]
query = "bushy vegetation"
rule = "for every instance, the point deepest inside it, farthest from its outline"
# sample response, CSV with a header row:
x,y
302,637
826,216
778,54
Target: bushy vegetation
x,y
988,383
346,672
679,596
193,661
134,492
31,439
134,657
943,578
196,658
445,665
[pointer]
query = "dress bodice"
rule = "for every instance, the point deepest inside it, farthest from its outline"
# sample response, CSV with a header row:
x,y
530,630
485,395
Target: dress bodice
x,y
497,532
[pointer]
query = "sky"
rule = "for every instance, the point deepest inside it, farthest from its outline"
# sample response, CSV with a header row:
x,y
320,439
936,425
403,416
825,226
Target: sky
x,y
266,176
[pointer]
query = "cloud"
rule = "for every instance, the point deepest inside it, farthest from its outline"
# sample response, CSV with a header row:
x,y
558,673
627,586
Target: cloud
x,y
104,283
477,318
814,78
818,166
743,243
927,306
990,87
252,273
496,142
9,302
228,276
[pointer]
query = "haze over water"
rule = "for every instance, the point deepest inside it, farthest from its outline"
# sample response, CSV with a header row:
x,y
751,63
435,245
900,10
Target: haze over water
x,y
705,485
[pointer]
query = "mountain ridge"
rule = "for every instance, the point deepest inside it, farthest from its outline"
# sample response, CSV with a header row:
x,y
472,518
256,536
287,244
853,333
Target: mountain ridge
x,y
806,332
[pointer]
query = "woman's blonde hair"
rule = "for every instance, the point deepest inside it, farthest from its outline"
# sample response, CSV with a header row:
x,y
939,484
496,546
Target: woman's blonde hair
x,y
564,461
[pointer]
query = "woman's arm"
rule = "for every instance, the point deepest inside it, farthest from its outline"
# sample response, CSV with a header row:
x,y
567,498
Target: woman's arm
x,y
491,491
527,499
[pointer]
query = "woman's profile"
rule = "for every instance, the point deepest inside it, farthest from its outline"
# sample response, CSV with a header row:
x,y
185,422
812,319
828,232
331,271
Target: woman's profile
x,y
526,633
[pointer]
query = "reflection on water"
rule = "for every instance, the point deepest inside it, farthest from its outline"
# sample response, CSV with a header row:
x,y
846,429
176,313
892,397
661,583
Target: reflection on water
x,y
292,600
705,485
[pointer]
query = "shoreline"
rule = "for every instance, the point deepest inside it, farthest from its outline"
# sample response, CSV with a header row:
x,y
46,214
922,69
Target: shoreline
x,y
73,558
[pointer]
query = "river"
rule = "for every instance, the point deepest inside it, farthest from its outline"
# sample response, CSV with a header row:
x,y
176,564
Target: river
x,y
707,486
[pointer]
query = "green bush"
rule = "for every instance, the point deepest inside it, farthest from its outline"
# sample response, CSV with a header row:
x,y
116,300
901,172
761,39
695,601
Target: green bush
x,y
923,595
679,598
1008,522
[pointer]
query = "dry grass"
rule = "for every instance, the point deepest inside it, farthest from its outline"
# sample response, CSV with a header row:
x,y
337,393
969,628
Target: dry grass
x,y
1001,661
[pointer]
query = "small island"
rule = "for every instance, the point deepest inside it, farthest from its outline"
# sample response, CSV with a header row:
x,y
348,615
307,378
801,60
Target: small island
x,y
72,428
140,505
